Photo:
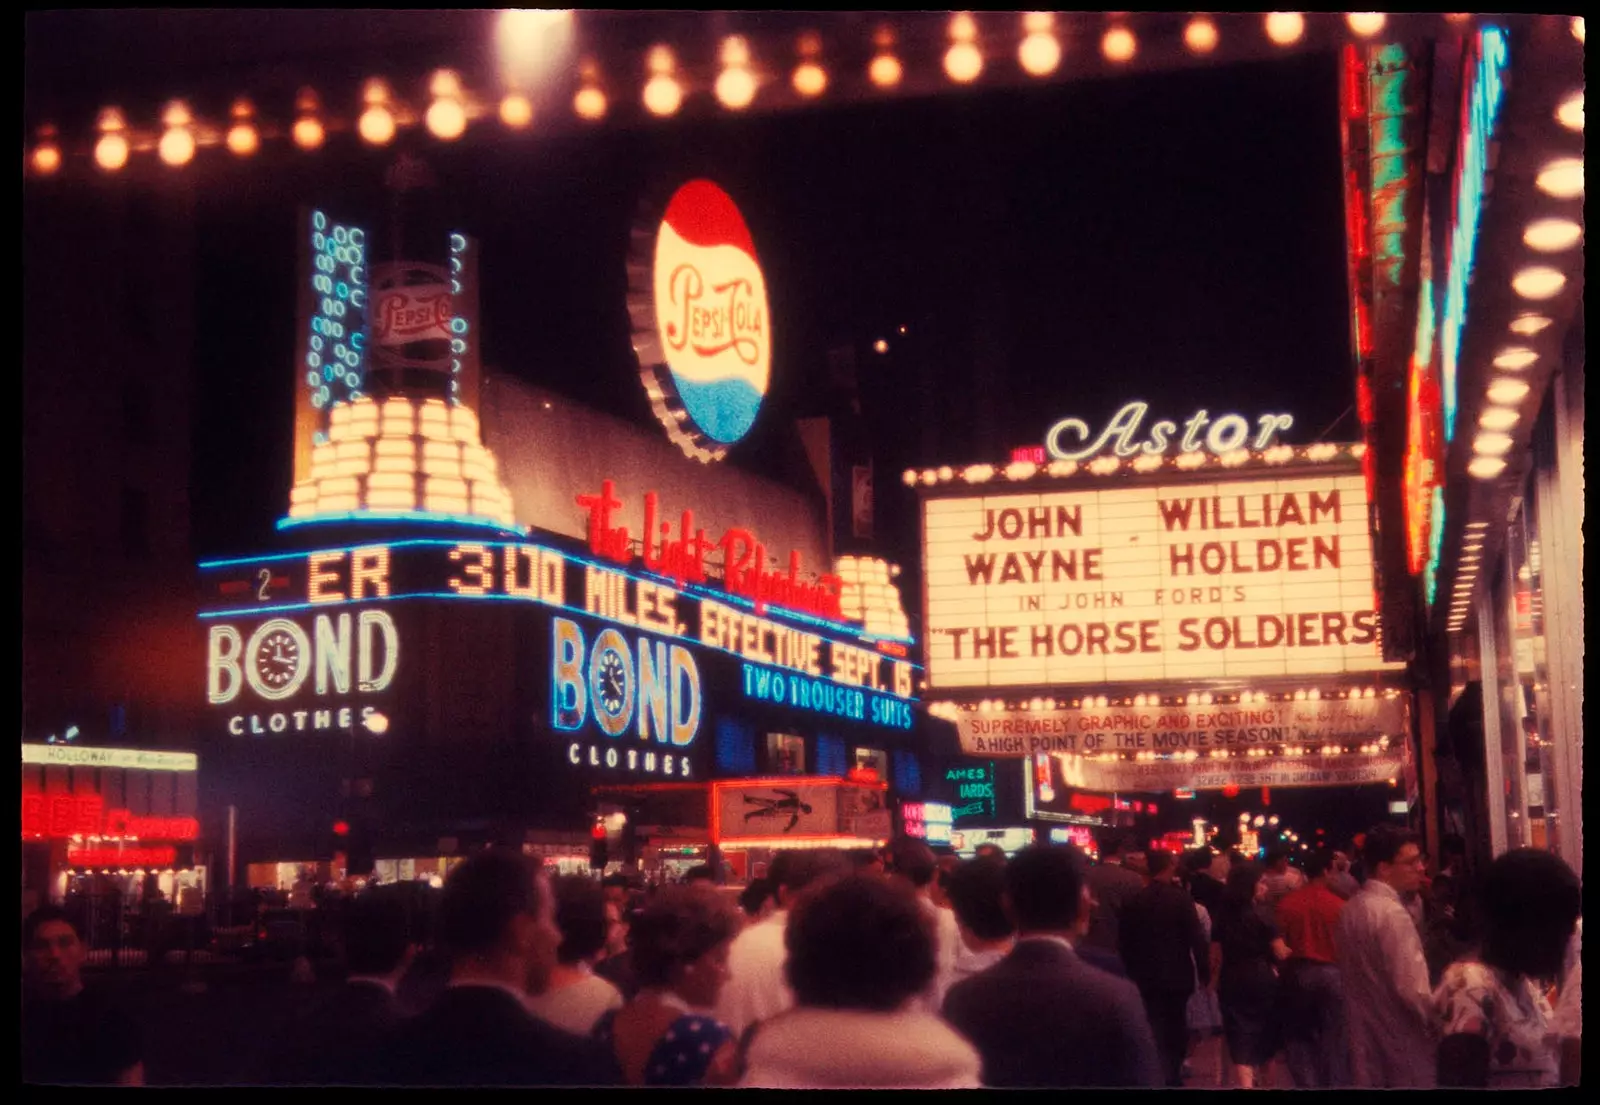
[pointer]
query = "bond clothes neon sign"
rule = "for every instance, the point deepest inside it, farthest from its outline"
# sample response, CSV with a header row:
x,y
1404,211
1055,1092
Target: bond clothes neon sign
x,y
1224,435
683,560
1487,60
703,335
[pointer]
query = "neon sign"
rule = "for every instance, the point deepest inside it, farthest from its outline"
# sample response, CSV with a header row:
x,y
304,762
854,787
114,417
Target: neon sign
x,y
824,697
335,345
59,816
744,557
930,821
122,857
1487,61
974,786
1226,433
1424,455
703,335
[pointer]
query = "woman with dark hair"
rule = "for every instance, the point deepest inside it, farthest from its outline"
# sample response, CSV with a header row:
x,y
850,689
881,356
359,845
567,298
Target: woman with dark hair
x,y
755,900
861,951
666,1035
1498,1029
1248,984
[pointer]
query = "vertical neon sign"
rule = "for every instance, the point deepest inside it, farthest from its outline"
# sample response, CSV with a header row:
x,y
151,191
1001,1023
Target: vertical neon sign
x,y
1480,109
336,342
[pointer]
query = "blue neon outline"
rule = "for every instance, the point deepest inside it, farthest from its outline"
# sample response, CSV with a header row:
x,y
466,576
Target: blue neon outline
x,y
695,589
867,693
555,698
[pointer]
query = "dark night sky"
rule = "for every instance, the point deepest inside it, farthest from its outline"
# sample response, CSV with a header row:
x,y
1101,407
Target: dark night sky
x,y
1174,237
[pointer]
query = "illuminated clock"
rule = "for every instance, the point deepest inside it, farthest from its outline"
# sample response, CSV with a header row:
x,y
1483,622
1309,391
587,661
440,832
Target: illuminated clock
x,y
278,659
611,682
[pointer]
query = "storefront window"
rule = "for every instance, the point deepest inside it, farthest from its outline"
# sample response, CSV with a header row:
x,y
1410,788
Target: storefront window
x,y
786,754
1508,704
1531,658
875,760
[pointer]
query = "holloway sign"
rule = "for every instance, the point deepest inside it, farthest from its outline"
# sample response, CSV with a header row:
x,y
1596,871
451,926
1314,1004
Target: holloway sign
x,y
1182,728
1248,577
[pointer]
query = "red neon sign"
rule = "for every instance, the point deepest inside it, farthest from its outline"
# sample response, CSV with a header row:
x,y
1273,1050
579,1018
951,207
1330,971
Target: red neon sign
x,y
683,560
1090,803
58,816
165,856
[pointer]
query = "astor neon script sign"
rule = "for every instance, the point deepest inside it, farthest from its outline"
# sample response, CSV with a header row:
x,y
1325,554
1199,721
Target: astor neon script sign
x,y
1071,438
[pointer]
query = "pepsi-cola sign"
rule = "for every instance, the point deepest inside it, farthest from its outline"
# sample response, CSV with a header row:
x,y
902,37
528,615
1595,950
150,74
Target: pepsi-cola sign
x,y
702,328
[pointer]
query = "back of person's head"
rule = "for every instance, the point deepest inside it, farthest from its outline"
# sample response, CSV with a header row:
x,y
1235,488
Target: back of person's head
x,y
1383,844
1158,863
1198,860
581,917
863,859
1452,846
702,872
678,926
977,897
915,861
805,866
754,896
483,896
1319,863
1531,901
42,916
376,931
859,943
1044,884
1277,859
1243,878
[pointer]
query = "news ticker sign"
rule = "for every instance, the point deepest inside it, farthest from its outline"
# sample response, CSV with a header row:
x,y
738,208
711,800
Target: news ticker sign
x,y
1182,728
1253,577
1312,770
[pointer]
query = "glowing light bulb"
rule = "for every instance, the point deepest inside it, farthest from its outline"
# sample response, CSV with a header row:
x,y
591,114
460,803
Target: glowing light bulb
x,y
446,118
1118,44
516,110
46,158
885,71
1538,282
810,79
308,133
1498,418
243,140
1039,54
111,152
736,87
963,62
1366,24
176,146
1492,444
662,95
1285,28
376,125
1552,235
1486,468
1562,178
589,103
1570,111
1507,391
1529,324
1200,36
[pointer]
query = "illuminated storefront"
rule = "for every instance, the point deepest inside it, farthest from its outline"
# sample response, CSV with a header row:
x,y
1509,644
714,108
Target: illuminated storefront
x,y
116,815
481,630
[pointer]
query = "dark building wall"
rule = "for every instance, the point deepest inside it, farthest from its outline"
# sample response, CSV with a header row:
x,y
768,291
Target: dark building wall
x,y
109,641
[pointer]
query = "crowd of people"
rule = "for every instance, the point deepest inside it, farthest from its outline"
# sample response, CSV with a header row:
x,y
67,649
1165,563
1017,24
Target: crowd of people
x,y
903,969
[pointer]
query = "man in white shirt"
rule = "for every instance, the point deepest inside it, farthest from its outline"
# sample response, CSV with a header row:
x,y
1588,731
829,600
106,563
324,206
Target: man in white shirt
x,y
915,862
574,997
1393,1037
756,987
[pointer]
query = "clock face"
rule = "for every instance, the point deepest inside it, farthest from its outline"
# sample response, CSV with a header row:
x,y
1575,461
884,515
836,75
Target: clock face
x,y
277,659
613,682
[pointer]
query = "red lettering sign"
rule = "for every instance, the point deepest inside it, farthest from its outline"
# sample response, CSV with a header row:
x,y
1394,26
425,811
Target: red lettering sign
x,y
58,816
413,314
1090,803
682,560
122,857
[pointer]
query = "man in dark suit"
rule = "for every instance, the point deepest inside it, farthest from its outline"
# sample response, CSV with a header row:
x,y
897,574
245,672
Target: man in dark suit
x,y
334,1042
497,921
1042,1016
1111,883
1165,951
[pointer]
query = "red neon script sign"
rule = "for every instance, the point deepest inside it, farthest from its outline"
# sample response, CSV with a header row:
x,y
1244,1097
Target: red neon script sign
x,y
683,560
122,857
62,815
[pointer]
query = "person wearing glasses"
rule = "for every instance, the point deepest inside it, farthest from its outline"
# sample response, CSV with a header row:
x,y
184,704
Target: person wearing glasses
x,y
1388,999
